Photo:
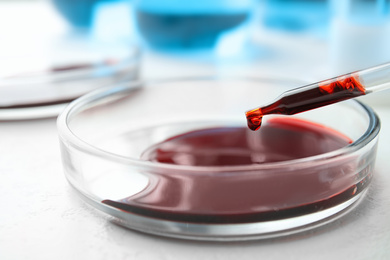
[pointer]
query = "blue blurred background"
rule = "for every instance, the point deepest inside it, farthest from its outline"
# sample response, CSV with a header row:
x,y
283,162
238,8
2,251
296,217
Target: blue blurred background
x,y
351,27
309,39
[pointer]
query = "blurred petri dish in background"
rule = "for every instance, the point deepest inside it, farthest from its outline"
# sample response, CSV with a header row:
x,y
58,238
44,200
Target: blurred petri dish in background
x,y
40,85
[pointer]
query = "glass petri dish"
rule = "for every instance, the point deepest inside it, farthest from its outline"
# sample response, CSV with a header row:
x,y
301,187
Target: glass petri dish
x,y
44,87
105,134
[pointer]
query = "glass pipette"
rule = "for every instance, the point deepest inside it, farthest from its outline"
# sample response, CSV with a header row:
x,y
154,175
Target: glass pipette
x,y
323,93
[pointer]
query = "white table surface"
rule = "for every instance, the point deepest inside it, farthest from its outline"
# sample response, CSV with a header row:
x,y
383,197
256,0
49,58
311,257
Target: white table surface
x,y
43,218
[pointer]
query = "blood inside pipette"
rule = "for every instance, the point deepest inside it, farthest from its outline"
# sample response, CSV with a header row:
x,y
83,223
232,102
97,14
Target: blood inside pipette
x,y
321,94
